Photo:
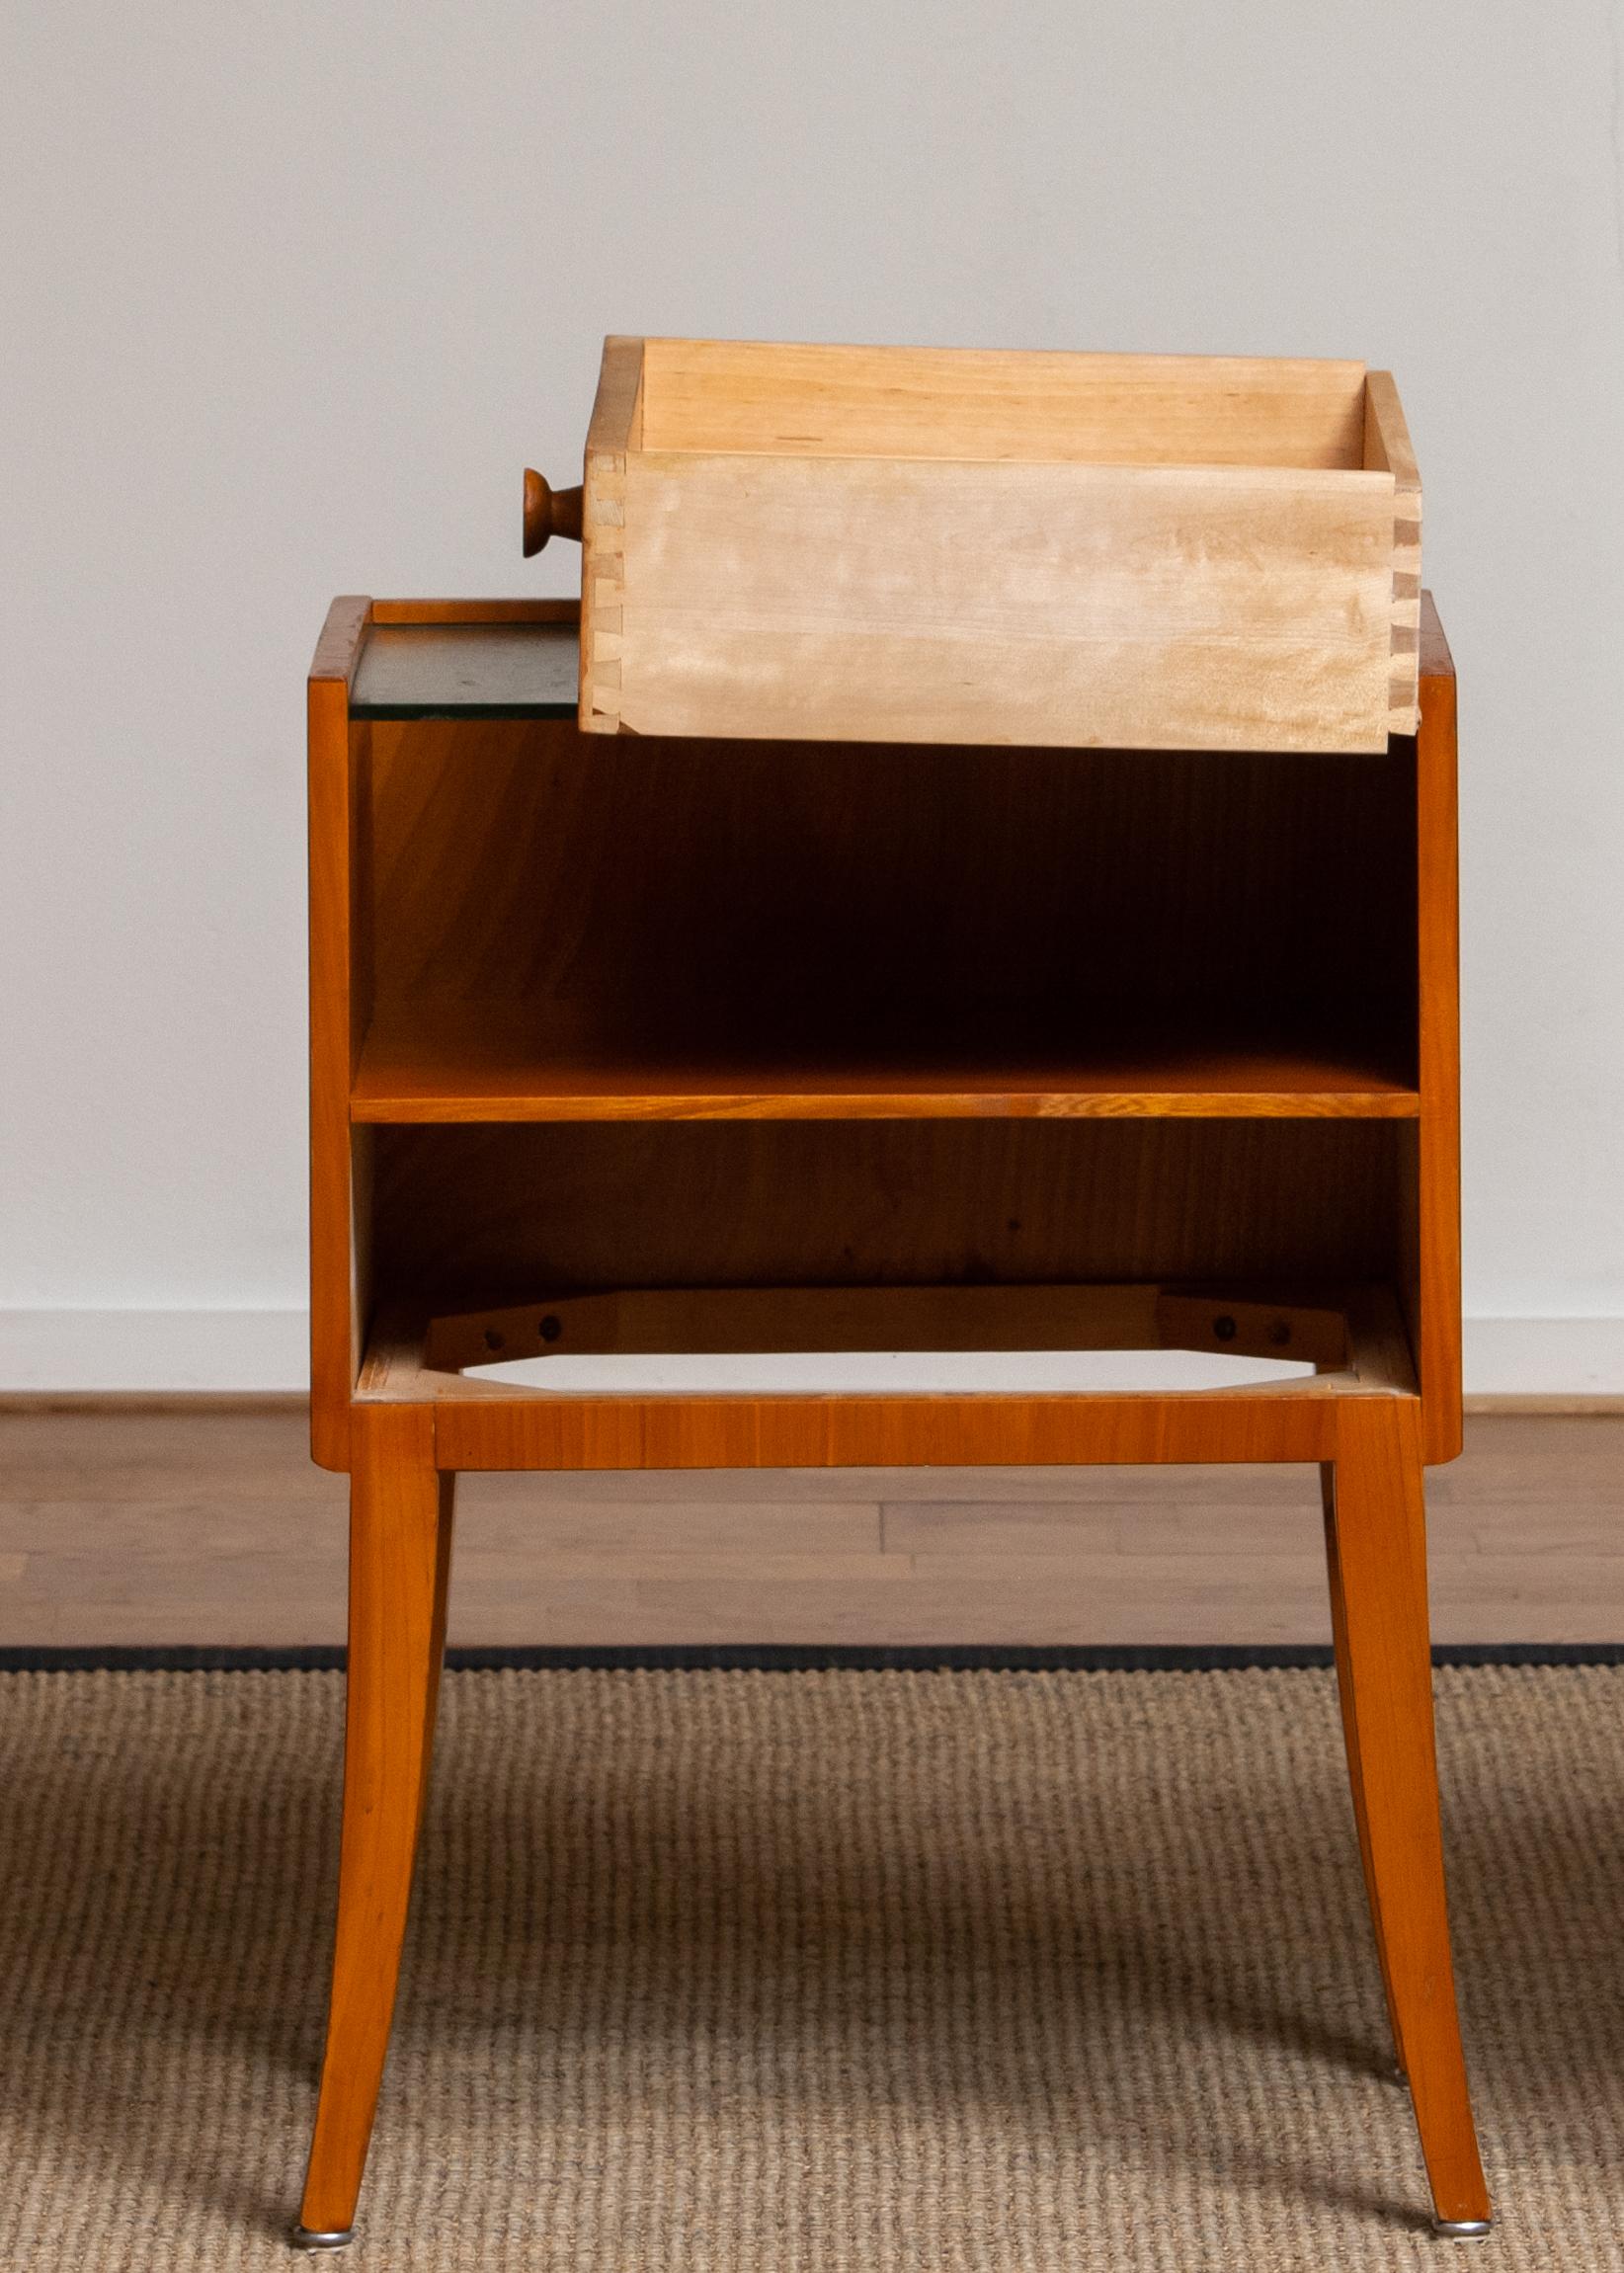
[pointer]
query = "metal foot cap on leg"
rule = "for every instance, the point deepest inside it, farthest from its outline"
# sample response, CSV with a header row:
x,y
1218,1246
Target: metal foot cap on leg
x,y
1463,2229
302,2238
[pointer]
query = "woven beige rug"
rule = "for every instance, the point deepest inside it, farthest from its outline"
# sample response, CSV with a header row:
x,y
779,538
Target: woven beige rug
x,y
802,1972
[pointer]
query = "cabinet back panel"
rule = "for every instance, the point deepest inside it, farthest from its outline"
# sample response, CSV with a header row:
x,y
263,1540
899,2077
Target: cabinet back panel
x,y
503,1212
833,889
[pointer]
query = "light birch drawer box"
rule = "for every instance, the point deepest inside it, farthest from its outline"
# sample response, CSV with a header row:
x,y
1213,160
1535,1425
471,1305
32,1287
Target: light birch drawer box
x,y
901,544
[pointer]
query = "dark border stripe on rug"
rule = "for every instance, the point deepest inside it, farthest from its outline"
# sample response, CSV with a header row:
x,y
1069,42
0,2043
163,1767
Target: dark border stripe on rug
x,y
795,1657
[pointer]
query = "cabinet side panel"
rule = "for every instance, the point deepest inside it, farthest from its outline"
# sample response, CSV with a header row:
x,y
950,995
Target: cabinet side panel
x,y
362,1155
1435,1326
340,978
882,600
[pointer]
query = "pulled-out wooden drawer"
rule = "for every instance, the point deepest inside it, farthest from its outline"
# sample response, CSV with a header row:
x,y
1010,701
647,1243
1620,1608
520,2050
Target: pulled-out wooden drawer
x,y
903,545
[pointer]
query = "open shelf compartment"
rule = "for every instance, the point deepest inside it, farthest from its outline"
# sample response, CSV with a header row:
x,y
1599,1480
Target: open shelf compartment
x,y
563,928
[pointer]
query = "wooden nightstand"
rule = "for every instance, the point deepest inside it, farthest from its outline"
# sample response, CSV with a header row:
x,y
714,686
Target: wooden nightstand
x,y
641,1044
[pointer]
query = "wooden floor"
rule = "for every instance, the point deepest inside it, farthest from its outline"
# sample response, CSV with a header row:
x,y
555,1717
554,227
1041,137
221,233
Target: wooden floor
x,y
213,1528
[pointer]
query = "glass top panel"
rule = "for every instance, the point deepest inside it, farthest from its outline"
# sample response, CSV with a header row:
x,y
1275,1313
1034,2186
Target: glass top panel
x,y
467,671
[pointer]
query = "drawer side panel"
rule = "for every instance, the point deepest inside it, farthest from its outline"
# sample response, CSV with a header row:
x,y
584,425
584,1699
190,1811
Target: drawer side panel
x,y
1387,448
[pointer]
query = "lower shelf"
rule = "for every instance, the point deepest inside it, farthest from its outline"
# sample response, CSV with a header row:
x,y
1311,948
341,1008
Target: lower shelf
x,y
480,1424
1353,1338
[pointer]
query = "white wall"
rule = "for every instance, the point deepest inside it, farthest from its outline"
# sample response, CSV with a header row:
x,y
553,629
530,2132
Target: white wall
x,y
294,290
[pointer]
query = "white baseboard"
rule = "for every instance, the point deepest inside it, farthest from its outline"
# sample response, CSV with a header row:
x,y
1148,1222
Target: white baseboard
x,y
161,1350
1544,1356
261,1351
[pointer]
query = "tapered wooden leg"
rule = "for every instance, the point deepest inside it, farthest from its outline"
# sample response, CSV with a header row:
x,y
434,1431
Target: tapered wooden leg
x,y
1350,1739
1378,1542
400,1542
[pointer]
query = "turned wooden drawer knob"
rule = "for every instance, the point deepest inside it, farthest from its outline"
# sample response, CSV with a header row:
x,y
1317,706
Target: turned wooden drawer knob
x,y
548,512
